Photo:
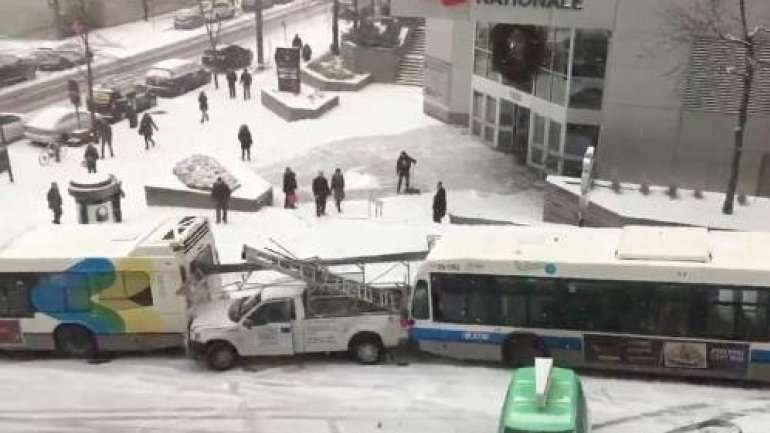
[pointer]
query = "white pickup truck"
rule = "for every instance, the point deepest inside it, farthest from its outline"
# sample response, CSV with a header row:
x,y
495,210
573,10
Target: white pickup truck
x,y
279,321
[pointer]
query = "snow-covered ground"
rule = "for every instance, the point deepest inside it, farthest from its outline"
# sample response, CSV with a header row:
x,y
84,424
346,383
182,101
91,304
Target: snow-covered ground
x,y
162,393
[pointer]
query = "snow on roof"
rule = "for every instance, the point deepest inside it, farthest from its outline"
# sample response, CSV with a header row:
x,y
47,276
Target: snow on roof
x,y
76,241
282,291
49,117
171,64
566,244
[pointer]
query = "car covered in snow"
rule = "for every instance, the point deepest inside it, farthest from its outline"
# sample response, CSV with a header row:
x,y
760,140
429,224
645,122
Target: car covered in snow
x,y
174,77
53,122
229,57
285,321
15,69
112,100
218,10
189,18
11,127
251,5
50,59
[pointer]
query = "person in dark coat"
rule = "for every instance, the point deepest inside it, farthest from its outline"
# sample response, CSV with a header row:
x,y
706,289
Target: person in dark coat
x,y
203,104
289,189
133,119
307,53
403,167
115,199
244,136
246,82
146,128
91,155
232,78
338,188
55,202
321,193
220,193
105,136
439,203
296,42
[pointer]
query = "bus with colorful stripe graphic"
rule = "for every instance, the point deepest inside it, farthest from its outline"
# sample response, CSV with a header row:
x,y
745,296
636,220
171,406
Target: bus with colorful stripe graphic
x,y
88,288
669,300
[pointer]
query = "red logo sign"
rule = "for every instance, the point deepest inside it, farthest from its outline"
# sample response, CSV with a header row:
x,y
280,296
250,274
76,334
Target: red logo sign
x,y
452,2
10,332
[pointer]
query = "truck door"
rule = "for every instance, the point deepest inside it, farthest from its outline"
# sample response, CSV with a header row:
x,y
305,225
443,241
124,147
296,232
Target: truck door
x,y
268,329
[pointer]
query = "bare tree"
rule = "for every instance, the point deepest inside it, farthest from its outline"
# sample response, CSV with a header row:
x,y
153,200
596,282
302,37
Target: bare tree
x,y
213,27
336,28
146,9
82,23
258,24
724,25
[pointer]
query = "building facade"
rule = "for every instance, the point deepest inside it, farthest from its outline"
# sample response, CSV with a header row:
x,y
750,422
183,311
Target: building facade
x,y
545,79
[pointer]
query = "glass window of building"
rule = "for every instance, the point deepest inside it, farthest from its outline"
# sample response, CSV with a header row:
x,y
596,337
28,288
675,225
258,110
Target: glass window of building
x,y
517,51
491,110
579,138
554,136
506,125
589,63
538,135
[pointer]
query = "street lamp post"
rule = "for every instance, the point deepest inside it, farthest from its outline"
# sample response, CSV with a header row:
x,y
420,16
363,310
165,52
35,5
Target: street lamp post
x,y
258,27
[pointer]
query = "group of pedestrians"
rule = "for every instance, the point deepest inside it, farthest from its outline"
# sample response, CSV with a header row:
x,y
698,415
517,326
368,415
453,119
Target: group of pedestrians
x,y
245,79
321,188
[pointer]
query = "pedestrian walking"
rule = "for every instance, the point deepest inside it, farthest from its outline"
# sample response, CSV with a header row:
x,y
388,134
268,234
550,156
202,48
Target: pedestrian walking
x,y
338,188
307,53
203,104
146,128
439,203
133,119
289,189
246,82
90,156
232,78
220,193
297,42
321,193
105,136
403,167
55,202
244,136
116,203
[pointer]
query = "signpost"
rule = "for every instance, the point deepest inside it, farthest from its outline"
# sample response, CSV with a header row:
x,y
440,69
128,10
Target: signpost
x,y
5,161
287,67
586,180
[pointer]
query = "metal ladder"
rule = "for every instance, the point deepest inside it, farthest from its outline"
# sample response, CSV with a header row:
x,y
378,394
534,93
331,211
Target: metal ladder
x,y
323,282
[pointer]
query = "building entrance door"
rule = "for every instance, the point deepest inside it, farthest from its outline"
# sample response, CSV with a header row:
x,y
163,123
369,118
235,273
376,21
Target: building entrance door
x,y
763,186
521,134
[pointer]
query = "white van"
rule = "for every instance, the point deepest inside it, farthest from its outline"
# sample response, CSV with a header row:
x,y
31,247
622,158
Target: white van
x,y
174,77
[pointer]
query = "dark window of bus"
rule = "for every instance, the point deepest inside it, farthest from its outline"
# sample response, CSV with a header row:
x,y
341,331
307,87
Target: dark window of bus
x,y
463,298
545,307
420,307
15,295
138,288
513,302
752,324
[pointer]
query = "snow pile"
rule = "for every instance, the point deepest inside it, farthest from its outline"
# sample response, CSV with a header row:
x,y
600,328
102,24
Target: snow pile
x,y
201,171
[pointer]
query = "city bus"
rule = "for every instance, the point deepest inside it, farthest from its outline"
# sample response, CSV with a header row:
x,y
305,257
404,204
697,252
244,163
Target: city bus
x,y
670,300
82,289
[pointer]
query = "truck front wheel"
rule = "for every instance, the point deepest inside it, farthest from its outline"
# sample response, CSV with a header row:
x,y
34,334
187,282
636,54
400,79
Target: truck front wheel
x,y
221,356
366,348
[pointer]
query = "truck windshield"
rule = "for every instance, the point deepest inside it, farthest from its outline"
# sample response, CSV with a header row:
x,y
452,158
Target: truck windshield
x,y
242,306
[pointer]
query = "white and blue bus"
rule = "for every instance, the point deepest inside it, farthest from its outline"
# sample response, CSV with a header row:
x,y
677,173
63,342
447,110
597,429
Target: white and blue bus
x,y
680,301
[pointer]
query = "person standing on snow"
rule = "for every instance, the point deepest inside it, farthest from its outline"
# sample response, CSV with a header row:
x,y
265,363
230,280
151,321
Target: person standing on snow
x,y
105,136
55,202
246,82
91,155
338,188
203,104
232,78
244,136
439,203
296,42
403,167
146,127
321,192
289,189
220,193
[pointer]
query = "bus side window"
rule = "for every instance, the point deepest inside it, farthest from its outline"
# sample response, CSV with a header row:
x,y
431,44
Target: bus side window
x,y
15,295
420,307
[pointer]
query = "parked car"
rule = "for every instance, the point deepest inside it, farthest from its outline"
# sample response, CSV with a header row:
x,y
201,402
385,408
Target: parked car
x,y
229,57
14,69
251,5
112,99
285,320
11,127
50,123
174,77
218,11
190,18
50,59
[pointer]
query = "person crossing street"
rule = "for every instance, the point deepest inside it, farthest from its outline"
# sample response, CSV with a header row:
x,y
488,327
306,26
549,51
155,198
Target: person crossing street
x,y
321,193
232,78
246,82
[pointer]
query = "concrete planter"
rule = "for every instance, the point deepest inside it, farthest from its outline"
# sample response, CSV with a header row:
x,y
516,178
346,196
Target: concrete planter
x,y
381,62
292,107
326,84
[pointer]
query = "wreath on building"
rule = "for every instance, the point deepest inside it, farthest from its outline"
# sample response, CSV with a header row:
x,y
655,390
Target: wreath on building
x,y
517,50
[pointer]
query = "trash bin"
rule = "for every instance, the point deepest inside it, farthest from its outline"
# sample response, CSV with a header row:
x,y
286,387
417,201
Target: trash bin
x,y
97,196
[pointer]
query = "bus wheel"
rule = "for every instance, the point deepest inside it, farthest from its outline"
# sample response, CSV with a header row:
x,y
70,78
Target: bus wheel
x,y
366,348
75,341
520,350
221,356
